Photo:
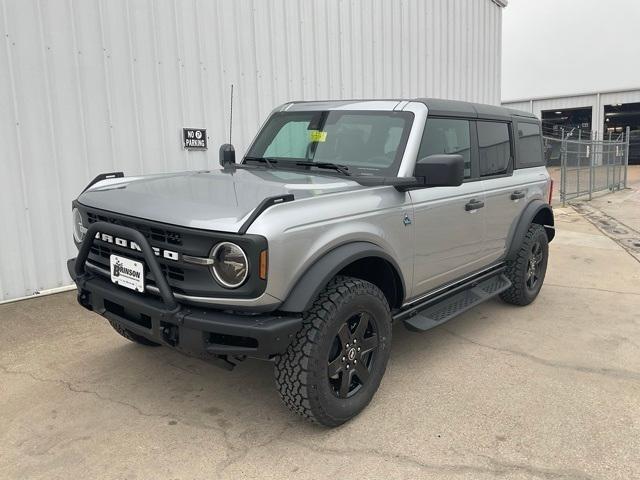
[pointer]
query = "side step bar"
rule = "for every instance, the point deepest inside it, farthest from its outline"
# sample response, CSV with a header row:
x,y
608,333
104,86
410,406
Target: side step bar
x,y
449,307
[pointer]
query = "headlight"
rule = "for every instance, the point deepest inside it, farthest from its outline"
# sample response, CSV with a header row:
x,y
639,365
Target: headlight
x,y
79,229
230,265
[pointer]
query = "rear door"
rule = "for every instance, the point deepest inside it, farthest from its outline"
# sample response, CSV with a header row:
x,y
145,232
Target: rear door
x,y
449,235
505,196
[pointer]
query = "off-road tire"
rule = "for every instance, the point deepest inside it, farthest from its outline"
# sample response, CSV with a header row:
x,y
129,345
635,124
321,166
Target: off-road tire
x,y
129,335
517,268
301,373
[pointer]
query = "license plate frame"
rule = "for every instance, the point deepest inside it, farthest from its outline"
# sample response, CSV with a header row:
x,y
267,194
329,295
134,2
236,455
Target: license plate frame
x,y
127,273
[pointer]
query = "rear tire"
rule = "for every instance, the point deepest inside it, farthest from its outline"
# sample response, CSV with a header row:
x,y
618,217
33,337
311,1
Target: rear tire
x,y
527,270
133,337
333,367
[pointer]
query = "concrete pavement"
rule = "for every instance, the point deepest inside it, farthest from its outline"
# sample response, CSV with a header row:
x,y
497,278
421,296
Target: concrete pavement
x,y
548,391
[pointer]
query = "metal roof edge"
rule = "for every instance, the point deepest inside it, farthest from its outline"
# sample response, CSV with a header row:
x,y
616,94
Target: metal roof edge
x,y
570,95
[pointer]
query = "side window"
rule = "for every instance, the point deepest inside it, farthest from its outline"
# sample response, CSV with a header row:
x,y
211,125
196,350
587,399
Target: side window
x,y
529,145
451,136
494,148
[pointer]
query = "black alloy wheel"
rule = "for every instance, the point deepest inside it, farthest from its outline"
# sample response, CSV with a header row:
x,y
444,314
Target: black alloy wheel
x,y
352,355
535,265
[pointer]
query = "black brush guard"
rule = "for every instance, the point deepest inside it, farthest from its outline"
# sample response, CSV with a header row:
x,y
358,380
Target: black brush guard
x,y
196,331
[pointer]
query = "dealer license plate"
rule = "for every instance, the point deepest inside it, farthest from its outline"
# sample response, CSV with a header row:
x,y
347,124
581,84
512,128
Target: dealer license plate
x,y
127,273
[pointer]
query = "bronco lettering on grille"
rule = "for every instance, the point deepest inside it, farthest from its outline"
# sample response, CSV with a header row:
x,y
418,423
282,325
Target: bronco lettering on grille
x,y
123,242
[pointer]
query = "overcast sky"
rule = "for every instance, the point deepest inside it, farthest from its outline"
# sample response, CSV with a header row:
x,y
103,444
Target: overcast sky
x,y
556,47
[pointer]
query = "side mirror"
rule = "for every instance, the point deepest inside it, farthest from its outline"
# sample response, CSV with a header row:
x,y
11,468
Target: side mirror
x,y
440,170
227,155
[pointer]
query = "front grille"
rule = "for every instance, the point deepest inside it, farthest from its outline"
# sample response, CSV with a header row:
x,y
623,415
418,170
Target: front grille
x,y
184,278
153,234
178,275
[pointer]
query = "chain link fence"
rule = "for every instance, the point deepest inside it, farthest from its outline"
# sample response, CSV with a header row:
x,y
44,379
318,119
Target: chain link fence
x,y
588,165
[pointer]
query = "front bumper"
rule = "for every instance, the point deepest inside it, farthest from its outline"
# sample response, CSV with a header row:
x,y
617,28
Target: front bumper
x,y
200,332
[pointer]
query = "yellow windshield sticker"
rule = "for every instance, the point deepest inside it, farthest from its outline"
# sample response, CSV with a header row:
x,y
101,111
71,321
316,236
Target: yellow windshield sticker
x,y
317,136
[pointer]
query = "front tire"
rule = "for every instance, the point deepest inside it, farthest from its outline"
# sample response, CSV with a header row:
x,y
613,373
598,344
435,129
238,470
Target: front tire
x,y
528,269
334,366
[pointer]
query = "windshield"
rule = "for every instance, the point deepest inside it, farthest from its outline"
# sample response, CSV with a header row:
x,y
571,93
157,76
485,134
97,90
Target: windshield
x,y
367,142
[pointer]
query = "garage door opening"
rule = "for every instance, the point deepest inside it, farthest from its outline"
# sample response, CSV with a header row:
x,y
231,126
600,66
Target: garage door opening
x,y
619,116
576,122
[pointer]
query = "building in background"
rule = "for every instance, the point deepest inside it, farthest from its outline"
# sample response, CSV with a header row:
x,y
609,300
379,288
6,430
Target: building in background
x,y
599,115
97,86
574,64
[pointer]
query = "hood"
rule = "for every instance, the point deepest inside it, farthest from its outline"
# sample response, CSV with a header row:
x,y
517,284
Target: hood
x,y
212,200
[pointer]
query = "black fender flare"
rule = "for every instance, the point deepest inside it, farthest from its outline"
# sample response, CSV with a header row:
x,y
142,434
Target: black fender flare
x,y
535,210
320,273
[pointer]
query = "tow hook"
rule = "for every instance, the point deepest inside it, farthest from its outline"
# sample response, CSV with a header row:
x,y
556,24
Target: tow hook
x,y
170,334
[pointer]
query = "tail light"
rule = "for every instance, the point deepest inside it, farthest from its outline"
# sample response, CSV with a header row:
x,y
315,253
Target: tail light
x,y
550,189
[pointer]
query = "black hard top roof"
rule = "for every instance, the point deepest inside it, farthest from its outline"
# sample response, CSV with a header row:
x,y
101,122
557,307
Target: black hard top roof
x,y
441,107
436,106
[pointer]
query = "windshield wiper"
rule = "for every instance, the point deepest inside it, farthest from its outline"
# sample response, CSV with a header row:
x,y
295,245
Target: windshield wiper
x,y
269,162
331,166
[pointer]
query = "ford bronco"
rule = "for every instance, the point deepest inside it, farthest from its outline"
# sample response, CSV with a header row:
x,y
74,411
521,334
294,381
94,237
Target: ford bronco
x,y
343,218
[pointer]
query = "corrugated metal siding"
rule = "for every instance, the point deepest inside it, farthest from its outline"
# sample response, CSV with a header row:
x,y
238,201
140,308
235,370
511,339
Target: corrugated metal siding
x,y
92,86
630,96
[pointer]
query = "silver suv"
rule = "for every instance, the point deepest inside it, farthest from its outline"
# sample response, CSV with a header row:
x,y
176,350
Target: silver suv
x,y
343,218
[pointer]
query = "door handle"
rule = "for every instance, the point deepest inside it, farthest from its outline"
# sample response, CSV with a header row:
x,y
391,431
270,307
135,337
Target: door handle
x,y
517,195
473,205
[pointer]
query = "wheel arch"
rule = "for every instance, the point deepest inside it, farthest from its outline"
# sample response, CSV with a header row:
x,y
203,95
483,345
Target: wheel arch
x,y
363,260
535,212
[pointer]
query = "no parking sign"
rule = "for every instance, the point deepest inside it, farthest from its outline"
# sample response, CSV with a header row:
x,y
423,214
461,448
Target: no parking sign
x,y
194,138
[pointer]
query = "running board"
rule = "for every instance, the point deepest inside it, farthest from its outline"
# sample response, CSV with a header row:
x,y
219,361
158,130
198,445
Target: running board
x,y
437,313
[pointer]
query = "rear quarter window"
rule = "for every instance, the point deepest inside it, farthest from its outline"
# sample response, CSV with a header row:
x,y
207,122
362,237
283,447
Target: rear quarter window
x,y
529,146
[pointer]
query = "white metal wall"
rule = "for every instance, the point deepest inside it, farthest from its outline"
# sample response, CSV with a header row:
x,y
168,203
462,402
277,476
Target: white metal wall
x,y
596,101
88,86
